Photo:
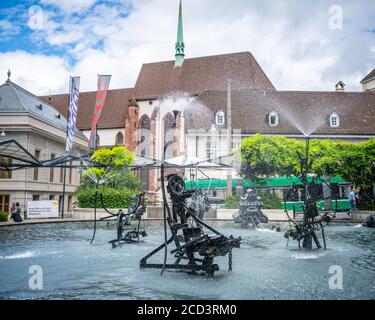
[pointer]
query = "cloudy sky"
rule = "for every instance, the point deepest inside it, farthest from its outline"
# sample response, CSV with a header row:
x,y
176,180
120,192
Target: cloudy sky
x,y
300,44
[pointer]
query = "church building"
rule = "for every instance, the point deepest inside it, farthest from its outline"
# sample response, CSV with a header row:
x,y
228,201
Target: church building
x,y
213,94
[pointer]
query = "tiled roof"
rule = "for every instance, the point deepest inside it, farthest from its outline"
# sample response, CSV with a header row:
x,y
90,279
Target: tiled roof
x,y
369,76
306,110
199,74
14,99
114,110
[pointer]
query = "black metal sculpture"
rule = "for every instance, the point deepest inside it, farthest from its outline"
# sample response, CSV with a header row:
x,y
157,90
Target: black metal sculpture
x,y
370,222
187,231
250,213
313,221
125,232
200,203
189,237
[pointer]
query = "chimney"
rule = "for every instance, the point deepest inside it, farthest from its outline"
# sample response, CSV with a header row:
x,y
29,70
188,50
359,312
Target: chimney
x,y
340,87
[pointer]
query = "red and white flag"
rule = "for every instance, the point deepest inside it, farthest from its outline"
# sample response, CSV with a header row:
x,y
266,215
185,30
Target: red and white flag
x,y
103,84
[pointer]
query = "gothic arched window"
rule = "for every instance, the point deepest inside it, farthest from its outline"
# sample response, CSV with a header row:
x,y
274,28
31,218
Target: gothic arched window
x,y
119,139
145,139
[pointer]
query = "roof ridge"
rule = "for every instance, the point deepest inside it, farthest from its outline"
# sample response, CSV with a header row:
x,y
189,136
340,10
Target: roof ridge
x,y
33,95
202,57
369,76
92,91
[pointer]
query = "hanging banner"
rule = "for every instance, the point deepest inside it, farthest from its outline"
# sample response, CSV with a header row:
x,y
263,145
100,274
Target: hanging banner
x,y
103,84
73,111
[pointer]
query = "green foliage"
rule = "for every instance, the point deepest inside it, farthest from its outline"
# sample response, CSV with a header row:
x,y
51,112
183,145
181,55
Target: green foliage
x,y
270,200
232,202
266,156
119,158
3,216
121,184
113,198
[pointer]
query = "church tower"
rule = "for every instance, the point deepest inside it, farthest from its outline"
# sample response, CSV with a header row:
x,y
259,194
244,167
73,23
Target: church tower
x,y
180,46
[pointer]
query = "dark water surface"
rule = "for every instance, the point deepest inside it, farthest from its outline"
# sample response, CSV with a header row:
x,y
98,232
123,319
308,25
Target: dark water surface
x,y
262,269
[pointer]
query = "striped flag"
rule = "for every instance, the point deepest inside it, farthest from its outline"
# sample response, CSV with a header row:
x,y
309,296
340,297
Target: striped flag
x,y
103,84
73,111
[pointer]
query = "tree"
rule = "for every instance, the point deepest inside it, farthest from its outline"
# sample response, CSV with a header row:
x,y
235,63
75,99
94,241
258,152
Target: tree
x,y
119,159
266,156
120,182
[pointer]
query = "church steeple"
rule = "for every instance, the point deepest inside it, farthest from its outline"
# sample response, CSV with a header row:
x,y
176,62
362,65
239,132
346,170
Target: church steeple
x,y
180,46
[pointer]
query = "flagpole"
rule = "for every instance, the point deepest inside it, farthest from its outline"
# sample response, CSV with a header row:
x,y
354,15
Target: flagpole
x,y
67,129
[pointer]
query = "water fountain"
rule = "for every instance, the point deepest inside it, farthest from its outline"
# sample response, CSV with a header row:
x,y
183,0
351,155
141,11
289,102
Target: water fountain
x,y
312,221
125,232
187,230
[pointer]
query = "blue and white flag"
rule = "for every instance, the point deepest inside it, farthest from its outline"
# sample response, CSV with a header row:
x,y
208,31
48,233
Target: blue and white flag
x,y
73,111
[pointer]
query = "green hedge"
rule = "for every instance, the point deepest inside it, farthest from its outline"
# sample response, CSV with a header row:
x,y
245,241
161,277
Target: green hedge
x,y
270,201
3,216
232,202
113,198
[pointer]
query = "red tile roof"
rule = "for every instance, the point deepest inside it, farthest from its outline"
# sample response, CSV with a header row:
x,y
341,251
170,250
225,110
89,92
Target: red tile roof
x,y
114,111
200,74
308,110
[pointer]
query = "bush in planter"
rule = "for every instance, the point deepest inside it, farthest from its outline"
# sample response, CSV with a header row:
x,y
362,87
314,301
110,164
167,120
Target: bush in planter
x,y
3,216
113,198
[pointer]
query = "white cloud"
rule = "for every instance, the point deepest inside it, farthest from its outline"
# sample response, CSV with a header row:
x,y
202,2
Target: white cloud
x,y
290,39
39,74
8,29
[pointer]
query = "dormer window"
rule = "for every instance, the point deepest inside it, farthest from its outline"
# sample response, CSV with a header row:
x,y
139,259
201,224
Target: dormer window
x,y
273,118
220,118
334,120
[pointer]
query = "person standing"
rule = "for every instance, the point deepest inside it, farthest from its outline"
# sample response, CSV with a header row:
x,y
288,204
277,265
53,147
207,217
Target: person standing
x,y
352,201
18,217
12,211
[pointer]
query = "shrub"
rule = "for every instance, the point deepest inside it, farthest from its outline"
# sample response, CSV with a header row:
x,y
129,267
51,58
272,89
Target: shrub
x,y
3,216
232,202
113,198
270,201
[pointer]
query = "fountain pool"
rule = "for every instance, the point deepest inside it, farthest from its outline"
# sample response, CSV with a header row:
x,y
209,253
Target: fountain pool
x,y
262,268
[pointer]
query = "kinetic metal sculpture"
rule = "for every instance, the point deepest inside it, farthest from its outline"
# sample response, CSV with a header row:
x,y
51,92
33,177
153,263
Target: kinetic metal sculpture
x,y
125,232
250,213
312,221
189,237
370,222
187,232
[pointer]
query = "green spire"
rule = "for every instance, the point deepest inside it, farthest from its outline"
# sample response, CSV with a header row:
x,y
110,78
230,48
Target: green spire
x,y
180,46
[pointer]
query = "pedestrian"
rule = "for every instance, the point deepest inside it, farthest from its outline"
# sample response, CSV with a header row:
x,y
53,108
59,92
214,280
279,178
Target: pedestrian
x,y
12,211
352,201
18,217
